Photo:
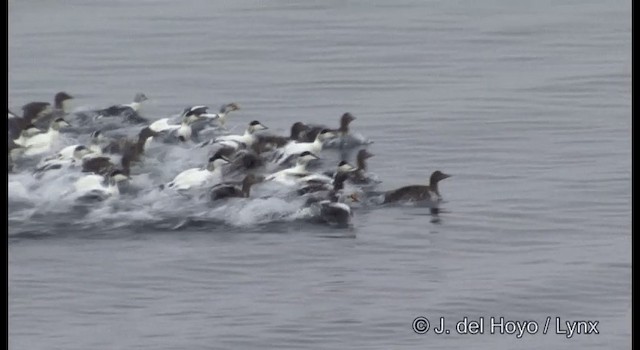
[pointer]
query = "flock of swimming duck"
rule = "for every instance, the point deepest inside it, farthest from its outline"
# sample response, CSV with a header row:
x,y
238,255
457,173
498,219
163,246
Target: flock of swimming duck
x,y
235,162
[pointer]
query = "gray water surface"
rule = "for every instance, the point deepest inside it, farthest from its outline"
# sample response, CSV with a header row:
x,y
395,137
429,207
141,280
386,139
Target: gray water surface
x,y
526,103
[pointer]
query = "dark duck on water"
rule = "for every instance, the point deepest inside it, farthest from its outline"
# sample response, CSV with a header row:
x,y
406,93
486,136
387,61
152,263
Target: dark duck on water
x,y
418,192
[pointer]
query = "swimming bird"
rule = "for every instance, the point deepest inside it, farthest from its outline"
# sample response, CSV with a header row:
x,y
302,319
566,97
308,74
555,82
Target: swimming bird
x,y
333,209
99,187
60,109
241,141
135,148
199,177
324,182
98,165
242,160
268,142
41,143
128,112
94,148
224,112
229,191
290,176
200,125
102,165
30,113
359,176
308,133
295,147
77,154
418,192
189,116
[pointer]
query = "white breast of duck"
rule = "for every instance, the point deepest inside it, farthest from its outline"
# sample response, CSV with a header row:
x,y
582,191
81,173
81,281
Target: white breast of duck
x,y
198,177
137,101
292,175
41,143
97,184
242,141
64,159
296,147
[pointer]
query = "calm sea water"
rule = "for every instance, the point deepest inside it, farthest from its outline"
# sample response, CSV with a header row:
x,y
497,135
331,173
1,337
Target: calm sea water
x,y
526,103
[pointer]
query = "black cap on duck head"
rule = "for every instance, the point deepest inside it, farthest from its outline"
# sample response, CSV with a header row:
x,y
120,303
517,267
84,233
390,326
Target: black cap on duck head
x,y
96,134
61,97
80,148
437,176
256,126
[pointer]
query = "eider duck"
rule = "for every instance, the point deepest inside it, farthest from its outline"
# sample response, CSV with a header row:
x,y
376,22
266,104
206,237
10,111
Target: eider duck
x,y
60,109
324,182
41,143
294,147
199,177
103,165
241,141
189,116
306,133
289,176
128,112
78,153
135,147
418,192
224,112
229,191
30,113
98,187
333,210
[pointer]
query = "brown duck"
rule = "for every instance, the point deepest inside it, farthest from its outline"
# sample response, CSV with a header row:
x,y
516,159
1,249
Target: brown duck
x,y
418,192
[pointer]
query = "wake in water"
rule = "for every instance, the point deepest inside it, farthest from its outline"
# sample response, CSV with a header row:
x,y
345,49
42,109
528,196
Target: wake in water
x,y
112,168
